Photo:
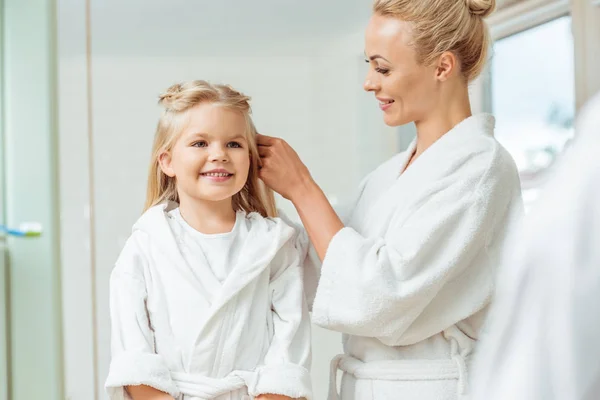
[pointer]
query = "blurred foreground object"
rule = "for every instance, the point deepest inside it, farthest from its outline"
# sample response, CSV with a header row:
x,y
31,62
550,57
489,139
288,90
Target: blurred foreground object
x,y
542,340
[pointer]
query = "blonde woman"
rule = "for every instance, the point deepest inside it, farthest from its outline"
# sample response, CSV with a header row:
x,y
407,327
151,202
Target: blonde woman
x,y
407,272
206,297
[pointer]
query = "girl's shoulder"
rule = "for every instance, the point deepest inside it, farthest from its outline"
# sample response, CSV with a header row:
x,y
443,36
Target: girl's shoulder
x,y
271,226
283,238
133,258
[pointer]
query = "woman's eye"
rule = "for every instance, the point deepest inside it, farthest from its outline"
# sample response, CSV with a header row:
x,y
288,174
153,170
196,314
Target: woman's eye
x,y
234,145
201,143
383,71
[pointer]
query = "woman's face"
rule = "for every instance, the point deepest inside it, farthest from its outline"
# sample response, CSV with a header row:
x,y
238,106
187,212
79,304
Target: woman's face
x,y
405,89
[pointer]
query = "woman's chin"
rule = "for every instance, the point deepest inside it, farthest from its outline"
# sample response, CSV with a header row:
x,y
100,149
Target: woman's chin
x,y
395,120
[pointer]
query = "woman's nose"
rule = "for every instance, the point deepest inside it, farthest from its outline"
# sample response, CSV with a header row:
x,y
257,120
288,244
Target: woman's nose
x,y
370,83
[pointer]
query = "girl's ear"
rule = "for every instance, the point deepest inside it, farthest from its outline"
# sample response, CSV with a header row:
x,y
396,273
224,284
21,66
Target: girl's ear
x,y
164,161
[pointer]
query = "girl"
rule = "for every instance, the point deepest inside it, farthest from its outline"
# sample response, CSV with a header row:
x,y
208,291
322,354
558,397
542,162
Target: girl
x,y
408,271
206,297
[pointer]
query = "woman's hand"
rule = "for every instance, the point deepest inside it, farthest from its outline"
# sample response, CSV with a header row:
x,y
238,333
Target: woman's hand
x,y
283,172
281,168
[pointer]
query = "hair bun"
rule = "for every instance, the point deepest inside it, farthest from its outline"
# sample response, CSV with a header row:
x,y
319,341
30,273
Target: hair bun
x,y
481,8
167,98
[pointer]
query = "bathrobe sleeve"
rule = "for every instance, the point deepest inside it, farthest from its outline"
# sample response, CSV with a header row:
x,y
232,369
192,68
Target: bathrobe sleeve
x,y
309,260
308,257
134,361
419,278
287,362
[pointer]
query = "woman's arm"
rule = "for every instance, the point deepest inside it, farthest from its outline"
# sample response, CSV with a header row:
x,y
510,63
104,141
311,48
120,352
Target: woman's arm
x,y
283,171
419,276
143,392
318,217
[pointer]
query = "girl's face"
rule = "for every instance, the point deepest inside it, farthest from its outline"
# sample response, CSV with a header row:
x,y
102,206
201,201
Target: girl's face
x,y
210,160
406,90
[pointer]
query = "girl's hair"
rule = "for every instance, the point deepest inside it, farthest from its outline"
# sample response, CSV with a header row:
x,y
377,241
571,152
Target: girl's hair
x,y
177,101
445,25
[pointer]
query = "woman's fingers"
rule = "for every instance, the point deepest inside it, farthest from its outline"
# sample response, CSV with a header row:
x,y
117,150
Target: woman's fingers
x,y
263,151
264,140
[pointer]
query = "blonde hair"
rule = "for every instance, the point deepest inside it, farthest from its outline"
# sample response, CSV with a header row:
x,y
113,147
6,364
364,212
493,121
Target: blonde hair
x,y
177,101
445,25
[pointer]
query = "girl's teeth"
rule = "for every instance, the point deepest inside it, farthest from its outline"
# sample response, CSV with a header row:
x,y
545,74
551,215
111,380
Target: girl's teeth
x,y
216,174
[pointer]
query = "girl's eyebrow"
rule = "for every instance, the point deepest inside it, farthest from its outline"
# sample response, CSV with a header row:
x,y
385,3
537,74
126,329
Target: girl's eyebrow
x,y
198,134
208,136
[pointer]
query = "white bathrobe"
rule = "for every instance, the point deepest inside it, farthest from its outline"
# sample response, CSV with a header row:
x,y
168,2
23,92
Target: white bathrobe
x,y
176,328
409,278
543,337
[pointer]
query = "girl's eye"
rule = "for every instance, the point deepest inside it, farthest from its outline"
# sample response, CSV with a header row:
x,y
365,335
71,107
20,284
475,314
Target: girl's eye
x,y
234,145
201,143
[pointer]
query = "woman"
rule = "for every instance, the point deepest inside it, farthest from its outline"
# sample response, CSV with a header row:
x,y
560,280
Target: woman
x,y
407,272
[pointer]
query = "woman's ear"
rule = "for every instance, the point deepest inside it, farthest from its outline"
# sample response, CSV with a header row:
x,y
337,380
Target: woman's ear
x,y
446,65
164,161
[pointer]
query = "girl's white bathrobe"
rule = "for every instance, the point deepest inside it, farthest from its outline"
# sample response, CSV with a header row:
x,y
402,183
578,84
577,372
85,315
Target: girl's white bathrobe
x,y
179,329
409,278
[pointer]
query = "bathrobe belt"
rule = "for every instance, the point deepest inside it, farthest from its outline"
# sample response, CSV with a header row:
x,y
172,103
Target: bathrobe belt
x,y
202,388
399,370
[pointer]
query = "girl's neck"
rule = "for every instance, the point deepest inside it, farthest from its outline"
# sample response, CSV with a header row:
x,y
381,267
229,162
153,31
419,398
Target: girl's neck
x,y
208,217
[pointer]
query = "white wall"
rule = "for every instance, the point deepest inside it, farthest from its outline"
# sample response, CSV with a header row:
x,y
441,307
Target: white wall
x,y
308,93
78,270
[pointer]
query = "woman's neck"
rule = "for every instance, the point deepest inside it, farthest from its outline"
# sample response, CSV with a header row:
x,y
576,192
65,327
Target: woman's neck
x,y
208,217
446,116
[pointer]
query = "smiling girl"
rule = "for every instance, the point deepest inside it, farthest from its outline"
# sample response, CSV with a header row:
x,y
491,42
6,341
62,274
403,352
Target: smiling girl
x,y
206,297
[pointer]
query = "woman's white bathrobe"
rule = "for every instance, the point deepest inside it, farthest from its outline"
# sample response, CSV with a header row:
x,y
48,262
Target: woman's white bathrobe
x,y
409,278
177,328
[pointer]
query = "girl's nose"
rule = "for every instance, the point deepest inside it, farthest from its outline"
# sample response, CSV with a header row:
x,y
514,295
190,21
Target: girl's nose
x,y
219,155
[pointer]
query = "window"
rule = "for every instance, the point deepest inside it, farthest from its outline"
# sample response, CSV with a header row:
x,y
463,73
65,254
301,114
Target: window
x,y
533,98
